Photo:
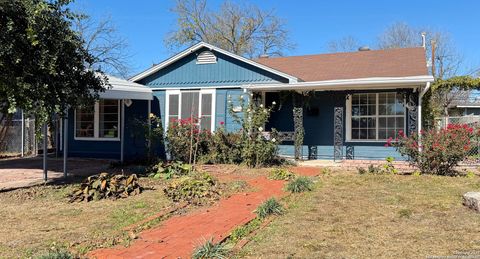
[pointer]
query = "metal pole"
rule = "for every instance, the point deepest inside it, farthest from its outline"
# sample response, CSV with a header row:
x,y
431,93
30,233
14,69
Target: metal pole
x,y
122,129
23,134
149,121
45,150
65,144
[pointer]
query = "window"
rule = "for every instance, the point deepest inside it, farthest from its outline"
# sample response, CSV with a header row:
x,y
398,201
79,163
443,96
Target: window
x,y
198,104
374,116
98,121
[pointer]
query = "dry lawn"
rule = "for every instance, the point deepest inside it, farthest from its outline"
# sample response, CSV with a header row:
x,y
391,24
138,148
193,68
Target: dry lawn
x,y
374,216
38,218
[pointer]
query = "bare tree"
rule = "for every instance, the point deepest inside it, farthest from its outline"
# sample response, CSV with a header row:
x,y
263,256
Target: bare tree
x,y
101,39
447,59
242,29
345,44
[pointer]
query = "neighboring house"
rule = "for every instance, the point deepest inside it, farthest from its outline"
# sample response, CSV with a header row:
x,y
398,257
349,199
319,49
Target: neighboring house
x,y
359,100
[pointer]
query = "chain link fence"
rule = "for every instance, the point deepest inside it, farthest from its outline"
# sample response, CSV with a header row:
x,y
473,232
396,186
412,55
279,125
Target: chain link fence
x,y
18,131
472,121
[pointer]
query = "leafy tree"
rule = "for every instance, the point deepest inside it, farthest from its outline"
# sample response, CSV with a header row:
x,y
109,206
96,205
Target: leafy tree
x,y
44,66
241,29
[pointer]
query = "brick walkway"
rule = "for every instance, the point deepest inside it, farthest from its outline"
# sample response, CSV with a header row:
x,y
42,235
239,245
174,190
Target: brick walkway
x,y
178,236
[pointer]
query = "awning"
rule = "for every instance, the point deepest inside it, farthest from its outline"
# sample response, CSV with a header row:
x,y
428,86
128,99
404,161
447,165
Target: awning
x,y
347,84
124,89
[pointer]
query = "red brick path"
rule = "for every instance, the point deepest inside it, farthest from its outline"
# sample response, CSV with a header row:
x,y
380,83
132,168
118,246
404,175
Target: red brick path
x,y
178,236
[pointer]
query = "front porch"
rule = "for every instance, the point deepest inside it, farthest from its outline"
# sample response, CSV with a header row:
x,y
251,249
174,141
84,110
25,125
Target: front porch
x,y
345,122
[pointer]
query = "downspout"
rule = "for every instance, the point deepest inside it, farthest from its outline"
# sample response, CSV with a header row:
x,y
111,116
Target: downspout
x,y
420,101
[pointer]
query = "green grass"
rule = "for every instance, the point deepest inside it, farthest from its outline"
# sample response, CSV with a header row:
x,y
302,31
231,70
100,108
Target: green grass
x,y
269,207
300,184
373,216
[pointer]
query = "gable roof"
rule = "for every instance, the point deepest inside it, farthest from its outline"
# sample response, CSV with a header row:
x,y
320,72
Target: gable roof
x,y
403,62
200,45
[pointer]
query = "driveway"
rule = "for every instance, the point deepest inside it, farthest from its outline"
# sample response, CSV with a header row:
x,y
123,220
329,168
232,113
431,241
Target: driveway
x,y
25,172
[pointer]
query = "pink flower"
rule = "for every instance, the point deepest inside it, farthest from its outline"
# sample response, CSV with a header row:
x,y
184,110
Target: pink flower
x,y
221,123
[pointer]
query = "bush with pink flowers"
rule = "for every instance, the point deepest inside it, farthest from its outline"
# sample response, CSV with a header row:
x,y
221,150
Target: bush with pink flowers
x,y
186,141
436,151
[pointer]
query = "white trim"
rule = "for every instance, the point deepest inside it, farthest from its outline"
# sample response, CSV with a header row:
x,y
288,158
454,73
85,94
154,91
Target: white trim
x,y
348,119
199,45
122,89
179,93
96,125
467,106
195,87
376,83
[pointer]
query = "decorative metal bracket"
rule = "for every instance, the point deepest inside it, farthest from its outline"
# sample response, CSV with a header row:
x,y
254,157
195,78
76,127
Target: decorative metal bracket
x,y
338,134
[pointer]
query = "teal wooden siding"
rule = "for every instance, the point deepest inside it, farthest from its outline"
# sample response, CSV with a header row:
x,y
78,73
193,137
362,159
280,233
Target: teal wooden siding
x,y
226,72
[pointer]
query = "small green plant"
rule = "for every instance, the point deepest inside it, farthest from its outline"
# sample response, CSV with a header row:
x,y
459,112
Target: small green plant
x,y
269,207
242,231
210,250
57,254
389,168
361,170
104,185
170,170
470,174
300,184
405,213
416,173
195,188
281,174
326,171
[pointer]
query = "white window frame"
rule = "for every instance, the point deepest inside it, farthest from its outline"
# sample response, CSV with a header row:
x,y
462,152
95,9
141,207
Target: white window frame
x,y
179,92
96,125
348,120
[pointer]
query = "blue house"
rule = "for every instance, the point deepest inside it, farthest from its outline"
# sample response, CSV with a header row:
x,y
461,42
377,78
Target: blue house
x,y
353,101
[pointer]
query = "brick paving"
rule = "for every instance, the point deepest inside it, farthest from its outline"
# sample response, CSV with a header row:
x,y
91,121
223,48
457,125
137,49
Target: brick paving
x,y
178,236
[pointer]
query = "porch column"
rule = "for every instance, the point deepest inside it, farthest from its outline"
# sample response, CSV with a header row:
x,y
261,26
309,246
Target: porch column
x,y
149,123
122,129
65,144
23,135
45,150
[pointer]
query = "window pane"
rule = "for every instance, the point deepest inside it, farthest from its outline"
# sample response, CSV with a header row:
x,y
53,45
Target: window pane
x,y
189,105
363,98
206,123
84,118
108,118
173,105
355,134
400,123
372,134
206,104
355,110
355,122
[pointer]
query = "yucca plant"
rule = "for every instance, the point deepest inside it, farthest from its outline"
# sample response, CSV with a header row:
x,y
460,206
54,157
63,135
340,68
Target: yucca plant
x,y
210,250
269,207
300,184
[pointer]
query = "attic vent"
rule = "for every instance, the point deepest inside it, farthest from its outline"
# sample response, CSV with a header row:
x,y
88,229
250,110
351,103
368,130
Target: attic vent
x,y
206,57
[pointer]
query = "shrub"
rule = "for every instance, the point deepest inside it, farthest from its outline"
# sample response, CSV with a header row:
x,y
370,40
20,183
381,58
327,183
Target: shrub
x,y
281,174
224,147
300,184
104,186
195,188
210,250
436,151
185,140
269,207
56,255
257,148
388,167
170,170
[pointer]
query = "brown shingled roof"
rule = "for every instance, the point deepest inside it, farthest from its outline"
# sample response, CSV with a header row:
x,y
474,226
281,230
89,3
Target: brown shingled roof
x,y
349,65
